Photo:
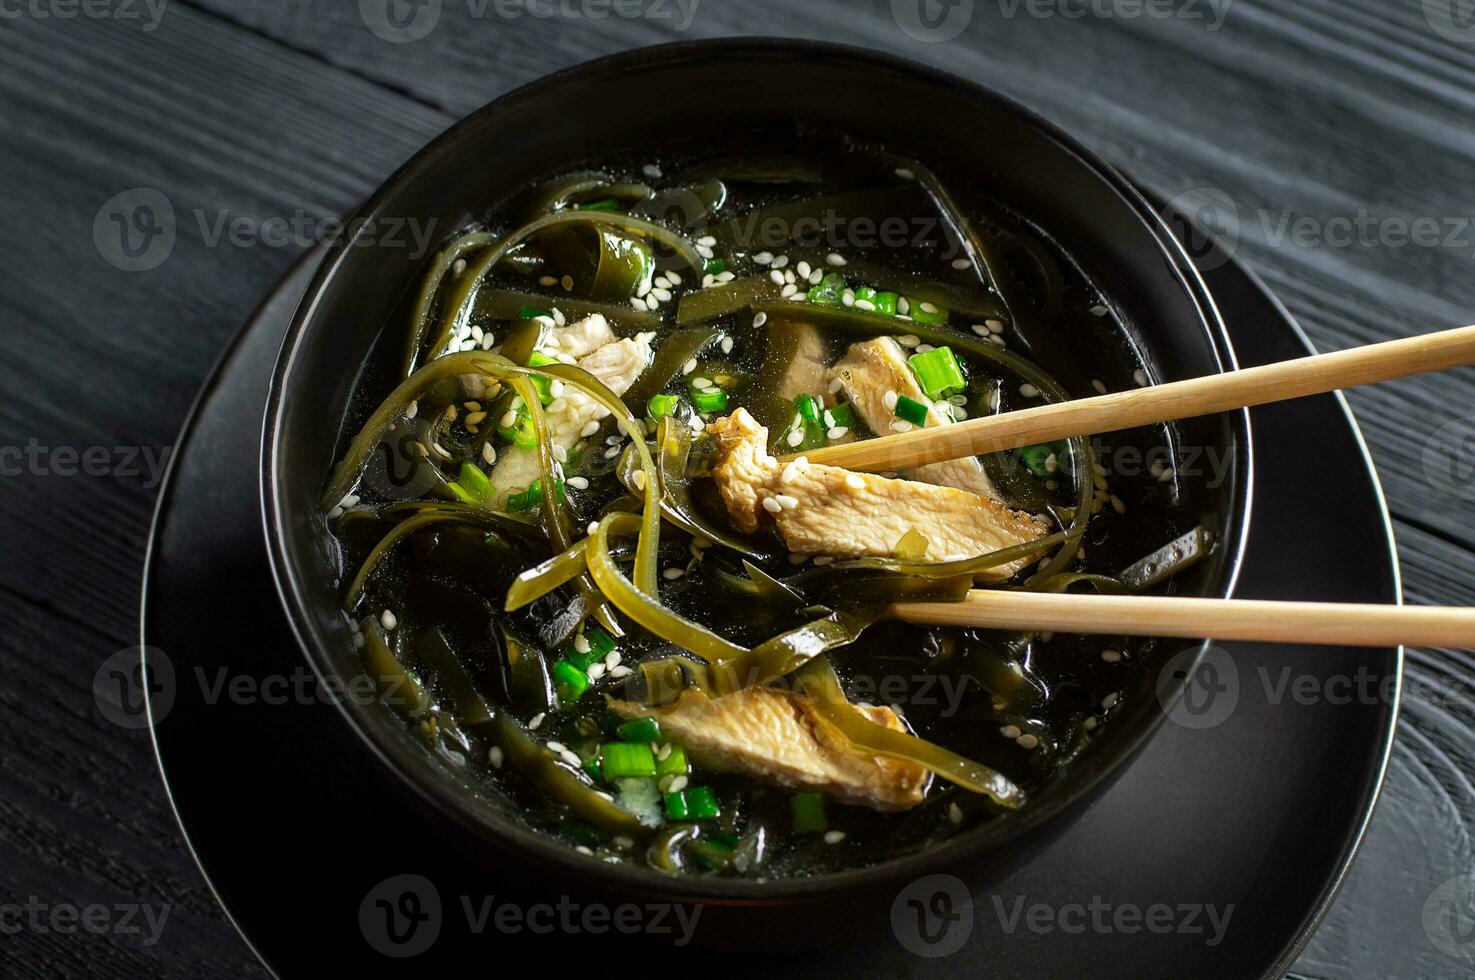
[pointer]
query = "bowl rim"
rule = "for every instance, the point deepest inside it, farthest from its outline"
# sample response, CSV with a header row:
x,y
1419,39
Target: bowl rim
x,y
515,838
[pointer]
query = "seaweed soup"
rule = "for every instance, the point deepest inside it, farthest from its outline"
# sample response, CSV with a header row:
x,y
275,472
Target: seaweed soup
x,y
541,652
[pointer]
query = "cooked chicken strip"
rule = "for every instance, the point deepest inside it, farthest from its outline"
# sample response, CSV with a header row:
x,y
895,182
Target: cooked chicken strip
x,y
805,372
866,373
616,363
581,338
832,511
778,736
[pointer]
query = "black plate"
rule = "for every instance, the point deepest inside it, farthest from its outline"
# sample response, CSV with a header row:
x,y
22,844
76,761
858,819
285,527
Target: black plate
x,y
1252,807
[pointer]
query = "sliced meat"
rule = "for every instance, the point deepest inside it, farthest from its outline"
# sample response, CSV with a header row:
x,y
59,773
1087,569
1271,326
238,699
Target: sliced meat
x,y
866,373
827,510
581,338
804,372
617,364
778,736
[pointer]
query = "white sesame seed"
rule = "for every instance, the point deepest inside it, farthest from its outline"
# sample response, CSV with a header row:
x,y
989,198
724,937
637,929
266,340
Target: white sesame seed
x,y
1027,741
901,425
795,438
1089,724
726,345
864,304
771,505
536,720
788,290
651,170
639,479
1140,376
689,366
612,659
847,298
1029,391
1111,656
776,276
909,340
955,813
1098,310
834,836
661,295
621,671
557,747
663,282
1010,731
592,528
890,400
835,258
672,574
707,240
836,432
927,307
612,452
559,453
802,268
1117,504
650,301
1099,385
760,319
1109,701
979,329
705,251
595,671
547,280
905,174
903,305
786,501
961,263
387,620
494,756
763,258
781,261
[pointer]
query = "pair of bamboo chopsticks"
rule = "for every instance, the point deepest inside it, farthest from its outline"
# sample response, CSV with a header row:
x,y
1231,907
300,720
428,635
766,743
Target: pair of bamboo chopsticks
x,y
1229,619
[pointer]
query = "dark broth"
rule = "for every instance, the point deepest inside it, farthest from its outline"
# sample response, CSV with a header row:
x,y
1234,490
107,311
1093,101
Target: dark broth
x,y
1022,704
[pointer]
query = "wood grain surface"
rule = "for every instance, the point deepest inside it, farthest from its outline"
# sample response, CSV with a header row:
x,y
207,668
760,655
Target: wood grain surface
x,y
1284,123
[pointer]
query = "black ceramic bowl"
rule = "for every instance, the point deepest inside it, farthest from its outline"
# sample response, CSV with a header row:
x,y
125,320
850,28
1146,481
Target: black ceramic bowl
x,y
642,100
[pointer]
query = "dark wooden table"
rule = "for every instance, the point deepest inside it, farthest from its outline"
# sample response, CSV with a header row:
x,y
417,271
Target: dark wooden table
x,y
1327,126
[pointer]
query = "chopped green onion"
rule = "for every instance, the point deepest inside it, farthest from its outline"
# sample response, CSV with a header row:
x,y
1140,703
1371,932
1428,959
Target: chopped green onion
x,y
474,482
608,204
709,399
570,682
622,760
808,406
865,293
808,811
1037,458
674,764
461,493
662,405
911,410
885,303
841,415
529,312
714,267
643,730
521,432
926,313
533,496
938,372
600,642
695,803
828,290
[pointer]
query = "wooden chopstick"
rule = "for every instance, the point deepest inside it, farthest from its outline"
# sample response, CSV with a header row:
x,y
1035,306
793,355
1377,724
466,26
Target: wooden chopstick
x,y
1163,403
1340,624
